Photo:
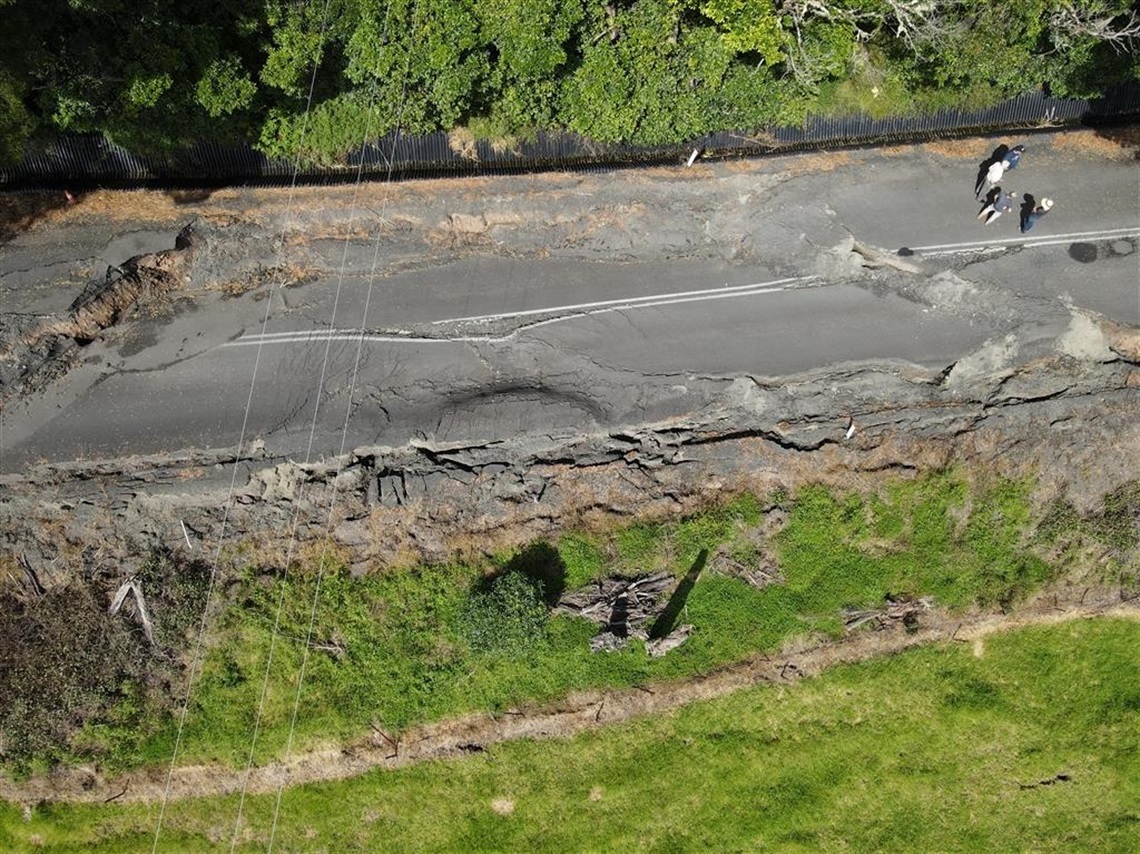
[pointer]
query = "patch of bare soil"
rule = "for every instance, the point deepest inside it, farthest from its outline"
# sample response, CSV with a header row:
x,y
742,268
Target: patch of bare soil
x,y
575,713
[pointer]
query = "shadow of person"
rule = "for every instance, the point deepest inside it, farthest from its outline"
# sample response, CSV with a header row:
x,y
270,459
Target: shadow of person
x,y
990,198
984,167
1028,203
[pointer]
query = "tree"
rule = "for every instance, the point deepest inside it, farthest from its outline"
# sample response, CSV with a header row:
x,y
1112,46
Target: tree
x,y
16,123
225,87
529,43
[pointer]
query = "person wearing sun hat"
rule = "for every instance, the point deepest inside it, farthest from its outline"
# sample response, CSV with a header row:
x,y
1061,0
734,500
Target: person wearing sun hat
x,y
1039,210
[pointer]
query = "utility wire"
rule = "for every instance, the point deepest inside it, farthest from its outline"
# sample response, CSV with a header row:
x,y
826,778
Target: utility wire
x,y
295,521
323,562
196,658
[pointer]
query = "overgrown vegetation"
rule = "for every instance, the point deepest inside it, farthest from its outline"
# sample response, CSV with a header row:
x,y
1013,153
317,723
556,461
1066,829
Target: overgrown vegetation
x,y
1110,536
395,649
76,680
156,74
1025,743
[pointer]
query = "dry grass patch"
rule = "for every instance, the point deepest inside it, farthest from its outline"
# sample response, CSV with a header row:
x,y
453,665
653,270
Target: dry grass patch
x,y
503,806
814,163
462,141
1090,142
955,149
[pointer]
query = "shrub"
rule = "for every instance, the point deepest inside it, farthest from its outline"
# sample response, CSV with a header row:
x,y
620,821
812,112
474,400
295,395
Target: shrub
x,y
509,618
63,660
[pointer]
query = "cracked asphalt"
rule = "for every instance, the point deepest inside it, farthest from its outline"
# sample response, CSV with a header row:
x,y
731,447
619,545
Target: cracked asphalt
x,y
324,319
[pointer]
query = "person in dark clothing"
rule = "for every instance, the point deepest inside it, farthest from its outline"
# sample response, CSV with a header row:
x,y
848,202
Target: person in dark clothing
x,y
1012,157
1002,203
1038,211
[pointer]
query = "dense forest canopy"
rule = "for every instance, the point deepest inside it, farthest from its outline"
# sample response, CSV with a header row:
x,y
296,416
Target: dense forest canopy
x,y
153,74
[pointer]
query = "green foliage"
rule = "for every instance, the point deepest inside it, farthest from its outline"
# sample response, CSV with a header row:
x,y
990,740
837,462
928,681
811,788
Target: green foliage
x,y
909,541
639,547
872,87
583,558
324,135
145,90
1117,523
1114,527
16,123
934,749
529,41
225,87
298,44
747,27
415,646
156,76
176,590
63,659
507,619
654,79
708,530
989,46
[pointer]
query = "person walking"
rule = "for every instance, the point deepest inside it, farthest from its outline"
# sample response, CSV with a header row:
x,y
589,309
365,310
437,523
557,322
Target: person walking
x,y
1002,203
1038,211
1012,157
993,176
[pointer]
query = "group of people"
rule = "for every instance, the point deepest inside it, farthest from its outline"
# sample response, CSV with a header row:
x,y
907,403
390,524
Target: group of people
x,y
998,200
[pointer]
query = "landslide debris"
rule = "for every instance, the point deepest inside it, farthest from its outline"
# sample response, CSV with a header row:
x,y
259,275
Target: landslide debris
x,y
43,352
1069,418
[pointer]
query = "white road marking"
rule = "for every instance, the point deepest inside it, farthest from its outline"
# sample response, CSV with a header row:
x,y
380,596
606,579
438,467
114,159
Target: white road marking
x,y
1027,242
571,312
630,301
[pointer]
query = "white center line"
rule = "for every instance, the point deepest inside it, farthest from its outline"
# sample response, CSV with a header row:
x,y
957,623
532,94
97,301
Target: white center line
x,y
974,246
627,301
563,312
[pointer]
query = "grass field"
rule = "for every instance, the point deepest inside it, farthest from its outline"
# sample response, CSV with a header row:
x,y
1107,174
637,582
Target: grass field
x,y
1026,743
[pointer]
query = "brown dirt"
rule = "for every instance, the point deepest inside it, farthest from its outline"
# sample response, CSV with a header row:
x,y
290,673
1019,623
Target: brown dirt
x,y
21,212
576,713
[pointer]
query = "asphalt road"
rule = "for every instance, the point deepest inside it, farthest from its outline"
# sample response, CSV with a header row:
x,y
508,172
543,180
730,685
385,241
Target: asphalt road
x,y
618,299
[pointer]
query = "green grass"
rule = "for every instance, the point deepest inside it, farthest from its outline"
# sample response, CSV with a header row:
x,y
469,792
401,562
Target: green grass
x,y
928,536
935,749
1111,533
403,648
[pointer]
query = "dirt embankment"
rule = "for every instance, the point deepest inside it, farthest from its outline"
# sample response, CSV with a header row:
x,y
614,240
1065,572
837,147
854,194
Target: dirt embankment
x,y
1071,418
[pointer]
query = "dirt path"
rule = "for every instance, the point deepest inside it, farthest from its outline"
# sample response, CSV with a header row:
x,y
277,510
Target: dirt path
x,y
574,714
